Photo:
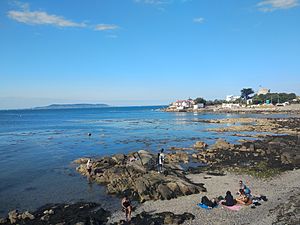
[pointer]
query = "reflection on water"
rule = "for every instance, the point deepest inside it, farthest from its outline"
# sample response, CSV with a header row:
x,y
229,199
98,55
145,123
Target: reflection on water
x,y
38,146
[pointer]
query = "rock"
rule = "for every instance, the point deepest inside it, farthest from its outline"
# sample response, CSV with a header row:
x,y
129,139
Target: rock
x,y
119,158
200,145
164,191
28,215
3,220
159,218
13,216
81,161
45,217
222,144
140,179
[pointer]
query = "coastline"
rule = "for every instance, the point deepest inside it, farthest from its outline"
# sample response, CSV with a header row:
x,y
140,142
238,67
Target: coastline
x,y
282,183
290,109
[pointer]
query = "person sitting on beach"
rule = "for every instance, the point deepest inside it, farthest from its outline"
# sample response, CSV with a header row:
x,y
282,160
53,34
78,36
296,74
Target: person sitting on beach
x,y
89,167
246,190
229,201
161,159
243,198
126,205
210,203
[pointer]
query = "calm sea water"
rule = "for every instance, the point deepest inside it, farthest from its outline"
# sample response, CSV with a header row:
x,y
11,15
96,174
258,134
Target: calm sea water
x,y
37,148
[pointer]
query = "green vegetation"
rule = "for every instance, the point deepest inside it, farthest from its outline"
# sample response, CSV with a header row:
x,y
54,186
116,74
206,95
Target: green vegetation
x,y
215,102
200,100
273,98
261,170
246,92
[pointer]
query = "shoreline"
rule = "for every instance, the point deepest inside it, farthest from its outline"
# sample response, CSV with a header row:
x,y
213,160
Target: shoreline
x,y
290,109
220,157
277,189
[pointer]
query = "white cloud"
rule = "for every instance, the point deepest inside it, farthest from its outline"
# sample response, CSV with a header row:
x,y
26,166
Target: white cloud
x,y
271,5
198,20
42,18
25,15
104,27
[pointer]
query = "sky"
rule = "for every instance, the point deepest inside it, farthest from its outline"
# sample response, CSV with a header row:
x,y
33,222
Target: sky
x,y
145,52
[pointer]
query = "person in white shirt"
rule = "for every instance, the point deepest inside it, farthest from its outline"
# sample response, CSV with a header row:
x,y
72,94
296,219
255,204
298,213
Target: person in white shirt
x,y
161,159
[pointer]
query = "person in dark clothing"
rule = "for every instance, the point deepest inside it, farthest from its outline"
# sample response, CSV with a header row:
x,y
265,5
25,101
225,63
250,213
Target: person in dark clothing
x,y
126,205
229,201
210,203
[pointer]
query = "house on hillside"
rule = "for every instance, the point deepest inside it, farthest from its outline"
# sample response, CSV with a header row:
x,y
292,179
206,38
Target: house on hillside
x,y
184,104
263,91
231,98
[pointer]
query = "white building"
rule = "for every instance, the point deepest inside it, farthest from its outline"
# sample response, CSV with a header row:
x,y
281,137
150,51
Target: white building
x,y
231,98
230,105
263,91
198,106
184,104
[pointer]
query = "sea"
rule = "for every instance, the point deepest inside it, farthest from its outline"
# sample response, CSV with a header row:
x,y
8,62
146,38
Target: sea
x,y
38,147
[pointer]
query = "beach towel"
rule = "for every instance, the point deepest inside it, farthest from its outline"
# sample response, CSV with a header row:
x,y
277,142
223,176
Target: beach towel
x,y
233,208
203,206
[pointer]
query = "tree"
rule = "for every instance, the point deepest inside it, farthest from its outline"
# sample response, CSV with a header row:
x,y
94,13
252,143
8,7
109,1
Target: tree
x,y
245,92
274,98
200,100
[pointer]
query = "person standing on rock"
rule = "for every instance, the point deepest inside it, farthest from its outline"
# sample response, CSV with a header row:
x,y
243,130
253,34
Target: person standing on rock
x,y
161,159
126,205
89,167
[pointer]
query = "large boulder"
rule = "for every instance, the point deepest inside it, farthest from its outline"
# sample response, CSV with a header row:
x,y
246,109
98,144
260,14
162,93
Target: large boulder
x,y
138,177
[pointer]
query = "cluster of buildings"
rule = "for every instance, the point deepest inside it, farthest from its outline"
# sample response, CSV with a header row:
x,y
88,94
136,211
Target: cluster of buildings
x,y
230,99
185,104
230,102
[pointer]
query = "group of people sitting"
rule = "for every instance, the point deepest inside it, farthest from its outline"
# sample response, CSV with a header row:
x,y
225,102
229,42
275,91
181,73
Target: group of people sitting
x,y
244,198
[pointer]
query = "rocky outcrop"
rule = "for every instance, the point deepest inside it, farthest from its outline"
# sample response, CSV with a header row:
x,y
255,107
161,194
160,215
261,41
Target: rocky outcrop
x,y
200,145
279,152
79,213
159,218
136,175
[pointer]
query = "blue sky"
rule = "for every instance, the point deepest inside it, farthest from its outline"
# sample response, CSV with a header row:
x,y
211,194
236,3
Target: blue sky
x,y
143,52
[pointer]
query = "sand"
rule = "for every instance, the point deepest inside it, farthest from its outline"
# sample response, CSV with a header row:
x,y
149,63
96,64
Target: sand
x,y
278,190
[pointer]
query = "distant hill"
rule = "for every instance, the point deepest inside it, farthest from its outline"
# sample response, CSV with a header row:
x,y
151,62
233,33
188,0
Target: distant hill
x,y
72,106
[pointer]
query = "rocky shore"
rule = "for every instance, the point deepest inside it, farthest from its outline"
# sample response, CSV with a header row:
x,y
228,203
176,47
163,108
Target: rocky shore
x,y
290,109
269,165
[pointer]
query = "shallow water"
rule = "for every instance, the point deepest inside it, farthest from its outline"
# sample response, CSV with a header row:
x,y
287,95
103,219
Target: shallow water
x,y
37,148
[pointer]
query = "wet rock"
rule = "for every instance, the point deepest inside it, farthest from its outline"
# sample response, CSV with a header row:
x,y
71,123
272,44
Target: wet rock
x,y
28,215
13,216
178,157
222,144
200,145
